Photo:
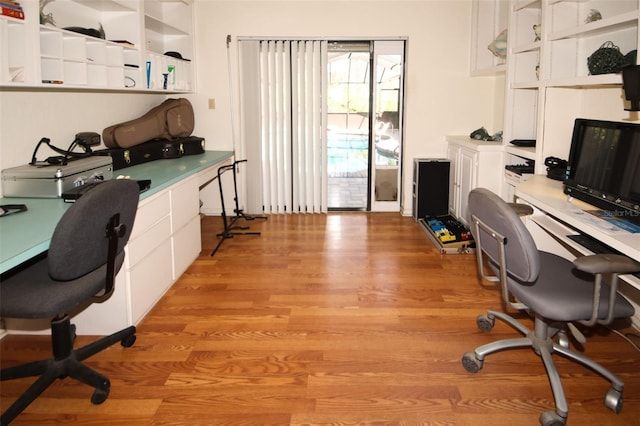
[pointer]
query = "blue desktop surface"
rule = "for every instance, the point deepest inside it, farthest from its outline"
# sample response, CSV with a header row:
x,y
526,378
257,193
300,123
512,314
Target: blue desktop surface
x,y
25,235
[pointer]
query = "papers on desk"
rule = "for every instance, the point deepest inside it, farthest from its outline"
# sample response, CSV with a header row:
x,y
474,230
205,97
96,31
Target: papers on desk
x,y
605,222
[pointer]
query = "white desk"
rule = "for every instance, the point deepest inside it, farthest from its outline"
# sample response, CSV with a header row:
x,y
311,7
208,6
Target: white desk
x,y
558,214
164,241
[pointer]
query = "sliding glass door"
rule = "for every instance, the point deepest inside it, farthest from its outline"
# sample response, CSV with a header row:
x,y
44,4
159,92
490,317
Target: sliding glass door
x,y
321,124
348,124
388,64
364,137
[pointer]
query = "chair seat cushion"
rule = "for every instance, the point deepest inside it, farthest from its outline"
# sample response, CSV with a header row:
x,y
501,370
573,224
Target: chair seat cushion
x,y
31,293
563,293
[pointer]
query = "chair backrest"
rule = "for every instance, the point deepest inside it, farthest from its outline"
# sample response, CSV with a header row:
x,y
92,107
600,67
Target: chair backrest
x,y
521,254
80,243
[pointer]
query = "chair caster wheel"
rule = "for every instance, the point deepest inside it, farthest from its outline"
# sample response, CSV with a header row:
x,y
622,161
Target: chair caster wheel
x,y
72,328
613,400
485,323
100,395
471,363
551,418
128,341
563,340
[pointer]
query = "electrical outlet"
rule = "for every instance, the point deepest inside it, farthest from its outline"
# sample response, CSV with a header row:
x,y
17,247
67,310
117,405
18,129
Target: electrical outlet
x,y
212,103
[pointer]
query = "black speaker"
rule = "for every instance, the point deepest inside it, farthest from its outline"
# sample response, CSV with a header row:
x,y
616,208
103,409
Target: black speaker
x,y
430,187
631,84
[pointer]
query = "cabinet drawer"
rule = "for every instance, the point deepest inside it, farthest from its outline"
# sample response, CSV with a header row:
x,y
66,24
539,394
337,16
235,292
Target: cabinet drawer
x,y
186,246
185,203
138,248
150,211
149,280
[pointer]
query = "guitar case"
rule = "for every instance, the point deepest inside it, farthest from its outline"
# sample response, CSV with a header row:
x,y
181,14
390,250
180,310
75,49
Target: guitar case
x,y
172,119
156,149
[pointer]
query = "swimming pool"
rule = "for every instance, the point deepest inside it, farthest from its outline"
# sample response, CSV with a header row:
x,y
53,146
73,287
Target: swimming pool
x,y
348,156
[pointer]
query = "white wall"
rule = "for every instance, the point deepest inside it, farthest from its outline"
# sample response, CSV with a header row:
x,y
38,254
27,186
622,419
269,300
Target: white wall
x,y
26,116
440,96
564,105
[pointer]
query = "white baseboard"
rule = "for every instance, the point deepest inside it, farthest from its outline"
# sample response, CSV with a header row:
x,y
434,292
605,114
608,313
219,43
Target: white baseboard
x,y
211,211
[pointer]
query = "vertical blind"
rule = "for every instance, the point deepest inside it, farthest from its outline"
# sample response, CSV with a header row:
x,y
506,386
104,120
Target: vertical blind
x,y
283,122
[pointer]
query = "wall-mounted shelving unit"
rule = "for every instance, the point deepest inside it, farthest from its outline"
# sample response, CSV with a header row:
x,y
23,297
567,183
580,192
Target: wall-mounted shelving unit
x,y
568,39
548,82
167,28
131,56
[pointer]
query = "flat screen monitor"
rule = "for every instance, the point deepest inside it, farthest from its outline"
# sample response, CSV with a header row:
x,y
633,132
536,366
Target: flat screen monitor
x,y
604,167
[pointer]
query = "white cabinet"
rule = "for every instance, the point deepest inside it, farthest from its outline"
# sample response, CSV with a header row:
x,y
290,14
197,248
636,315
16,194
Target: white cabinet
x,y
489,20
148,262
164,241
463,178
473,164
131,56
185,225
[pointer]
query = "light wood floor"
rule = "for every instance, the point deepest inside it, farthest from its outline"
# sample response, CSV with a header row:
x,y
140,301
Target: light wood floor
x,y
324,319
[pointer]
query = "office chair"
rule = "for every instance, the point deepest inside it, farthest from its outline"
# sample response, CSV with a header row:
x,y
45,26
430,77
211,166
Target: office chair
x,y
553,290
85,254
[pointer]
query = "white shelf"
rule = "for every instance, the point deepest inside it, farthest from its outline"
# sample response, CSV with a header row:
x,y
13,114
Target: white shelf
x,y
109,5
525,4
46,56
535,46
483,72
524,152
156,25
586,81
531,84
603,26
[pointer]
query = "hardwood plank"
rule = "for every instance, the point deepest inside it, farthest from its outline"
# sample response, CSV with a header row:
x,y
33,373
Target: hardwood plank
x,y
347,318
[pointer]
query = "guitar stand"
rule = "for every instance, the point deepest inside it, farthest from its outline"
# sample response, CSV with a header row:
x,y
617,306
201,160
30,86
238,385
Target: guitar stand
x,y
239,213
229,224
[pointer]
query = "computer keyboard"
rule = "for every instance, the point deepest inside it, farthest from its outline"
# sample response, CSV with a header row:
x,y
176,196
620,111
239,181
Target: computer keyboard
x,y
595,246
592,244
73,194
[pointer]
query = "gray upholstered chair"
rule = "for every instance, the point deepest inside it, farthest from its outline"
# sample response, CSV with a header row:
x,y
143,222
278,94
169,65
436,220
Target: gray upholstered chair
x,y
85,254
555,291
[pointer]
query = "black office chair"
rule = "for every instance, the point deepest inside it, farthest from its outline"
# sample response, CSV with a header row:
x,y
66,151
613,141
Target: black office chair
x,y
85,254
555,291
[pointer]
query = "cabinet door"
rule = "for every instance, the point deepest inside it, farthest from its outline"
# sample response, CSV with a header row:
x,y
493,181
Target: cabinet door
x,y
185,225
149,280
186,246
468,162
185,200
